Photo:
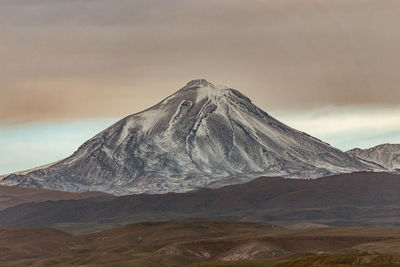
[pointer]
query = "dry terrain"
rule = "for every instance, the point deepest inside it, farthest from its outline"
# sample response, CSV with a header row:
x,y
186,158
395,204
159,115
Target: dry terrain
x,y
203,243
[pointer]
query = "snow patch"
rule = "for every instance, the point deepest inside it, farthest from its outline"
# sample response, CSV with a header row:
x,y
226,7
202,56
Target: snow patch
x,y
149,119
209,92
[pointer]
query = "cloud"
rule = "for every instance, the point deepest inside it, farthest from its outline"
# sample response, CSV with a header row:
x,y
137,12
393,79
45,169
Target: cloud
x,y
349,127
86,58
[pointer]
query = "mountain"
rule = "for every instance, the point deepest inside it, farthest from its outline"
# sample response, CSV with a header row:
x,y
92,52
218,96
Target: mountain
x,y
200,136
366,198
386,155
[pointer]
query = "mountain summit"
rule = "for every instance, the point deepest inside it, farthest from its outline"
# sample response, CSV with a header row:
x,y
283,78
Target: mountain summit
x,y
386,155
200,136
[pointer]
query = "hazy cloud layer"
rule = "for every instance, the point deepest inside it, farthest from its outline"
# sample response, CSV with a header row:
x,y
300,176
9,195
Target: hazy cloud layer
x,y
347,128
66,59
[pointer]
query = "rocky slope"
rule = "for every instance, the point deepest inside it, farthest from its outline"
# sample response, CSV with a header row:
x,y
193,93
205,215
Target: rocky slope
x,y
200,136
386,155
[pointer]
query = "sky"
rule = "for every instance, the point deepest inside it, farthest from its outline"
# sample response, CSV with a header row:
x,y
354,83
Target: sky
x,y
71,68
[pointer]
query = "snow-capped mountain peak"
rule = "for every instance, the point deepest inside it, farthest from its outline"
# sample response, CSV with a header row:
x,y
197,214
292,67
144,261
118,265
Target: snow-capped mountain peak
x,y
199,83
202,135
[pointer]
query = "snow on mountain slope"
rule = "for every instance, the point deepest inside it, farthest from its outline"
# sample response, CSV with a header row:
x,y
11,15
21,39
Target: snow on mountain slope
x,y
386,155
199,136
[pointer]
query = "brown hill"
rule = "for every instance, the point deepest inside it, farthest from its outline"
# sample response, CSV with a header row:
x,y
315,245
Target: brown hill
x,y
350,199
12,195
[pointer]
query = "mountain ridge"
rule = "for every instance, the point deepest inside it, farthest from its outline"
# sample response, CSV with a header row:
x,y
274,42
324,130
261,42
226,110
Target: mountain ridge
x,y
366,198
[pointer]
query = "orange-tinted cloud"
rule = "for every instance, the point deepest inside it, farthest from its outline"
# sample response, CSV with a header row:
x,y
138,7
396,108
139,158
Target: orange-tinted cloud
x,y
84,58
